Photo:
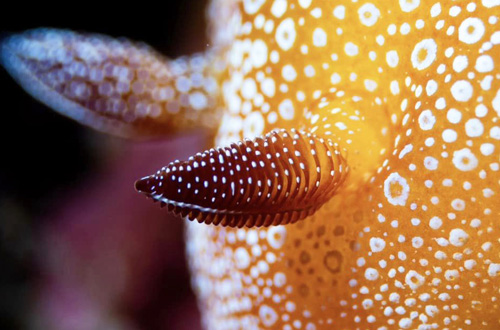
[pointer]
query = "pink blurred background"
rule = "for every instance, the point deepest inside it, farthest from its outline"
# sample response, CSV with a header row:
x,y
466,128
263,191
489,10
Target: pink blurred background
x,y
79,248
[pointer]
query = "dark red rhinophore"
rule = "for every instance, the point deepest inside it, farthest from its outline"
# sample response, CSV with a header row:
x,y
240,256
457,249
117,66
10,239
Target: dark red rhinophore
x,y
276,179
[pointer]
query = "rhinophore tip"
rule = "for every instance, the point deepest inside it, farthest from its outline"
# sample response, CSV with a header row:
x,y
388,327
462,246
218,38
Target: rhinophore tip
x,y
145,185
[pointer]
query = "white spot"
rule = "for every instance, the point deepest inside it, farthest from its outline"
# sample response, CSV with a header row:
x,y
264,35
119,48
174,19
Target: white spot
x,y
493,269
449,135
458,204
316,12
392,58
408,5
339,12
496,103
471,30
288,72
370,85
460,63
371,274
441,103
495,132
396,189
276,236
405,29
431,87
458,237
424,54
248,88
367,303
391,29
286,109
377,244
417,242
487,149
351,49
259,21
495,37
436,9
486,82
272,117
454,11
426,120
279,279
484,63
183,84
464,160
233,102
253,125
470,264
278,8
394,297
241,258
197,100
319,37
407,149
275,56
488,192
490,3
267,315
290,306
454,116
405,323
431,310
431,163
474,127
368,14
258,53
414,280
335,78
340,125
435,223
268,87
252,6
462,90
395,87
286,34
481,110
237,52
305,3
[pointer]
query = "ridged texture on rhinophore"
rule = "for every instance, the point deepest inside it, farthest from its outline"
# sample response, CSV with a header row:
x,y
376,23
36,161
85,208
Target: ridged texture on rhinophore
x,y
276,179
112,85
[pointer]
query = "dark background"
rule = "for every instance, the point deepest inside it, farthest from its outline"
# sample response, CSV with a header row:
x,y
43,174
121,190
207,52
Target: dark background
x,y
54,172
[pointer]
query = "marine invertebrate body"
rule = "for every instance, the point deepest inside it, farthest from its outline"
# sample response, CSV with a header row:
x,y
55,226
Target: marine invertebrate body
x,y
408,93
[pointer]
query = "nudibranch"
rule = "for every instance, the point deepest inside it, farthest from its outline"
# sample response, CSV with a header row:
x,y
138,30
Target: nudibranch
x,y
403,98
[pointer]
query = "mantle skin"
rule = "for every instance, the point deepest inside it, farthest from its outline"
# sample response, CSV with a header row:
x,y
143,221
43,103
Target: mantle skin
x,y
404,98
